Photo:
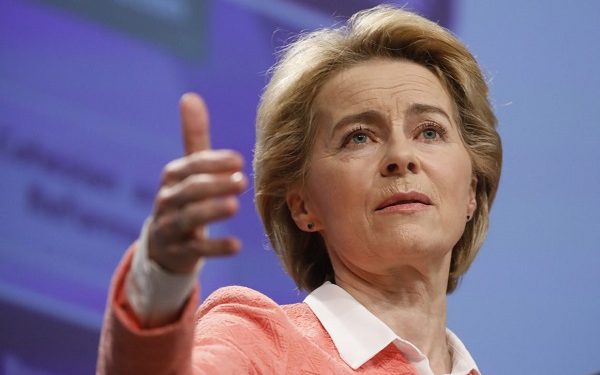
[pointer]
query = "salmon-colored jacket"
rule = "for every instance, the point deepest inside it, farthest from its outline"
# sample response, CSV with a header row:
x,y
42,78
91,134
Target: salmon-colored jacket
x,y
235,331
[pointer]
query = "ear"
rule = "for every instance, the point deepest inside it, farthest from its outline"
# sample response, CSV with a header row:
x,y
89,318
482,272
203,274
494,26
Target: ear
x,y
472,204
304,218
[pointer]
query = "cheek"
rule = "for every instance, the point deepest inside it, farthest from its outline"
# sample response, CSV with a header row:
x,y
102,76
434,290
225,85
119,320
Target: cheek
x,y
335,189
454,179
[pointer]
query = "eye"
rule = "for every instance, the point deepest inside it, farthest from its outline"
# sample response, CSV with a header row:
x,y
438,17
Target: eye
x,y
430,134
431,131
359,137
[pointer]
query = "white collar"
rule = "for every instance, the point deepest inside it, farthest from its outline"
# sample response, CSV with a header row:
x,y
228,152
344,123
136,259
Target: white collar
x,y
359,335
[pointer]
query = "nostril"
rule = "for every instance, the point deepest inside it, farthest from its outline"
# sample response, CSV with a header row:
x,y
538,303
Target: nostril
x,y
391,168
411,167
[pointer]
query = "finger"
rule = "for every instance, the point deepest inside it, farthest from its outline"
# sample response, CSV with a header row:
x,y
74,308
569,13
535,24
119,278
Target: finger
x,y
209,161
181,224
214,246
194,123
199,187
183,257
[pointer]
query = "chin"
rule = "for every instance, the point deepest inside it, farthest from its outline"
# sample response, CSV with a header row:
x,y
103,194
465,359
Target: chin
x,y
409,240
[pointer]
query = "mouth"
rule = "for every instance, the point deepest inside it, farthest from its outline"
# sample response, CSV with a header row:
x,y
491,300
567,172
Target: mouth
x,y
408,200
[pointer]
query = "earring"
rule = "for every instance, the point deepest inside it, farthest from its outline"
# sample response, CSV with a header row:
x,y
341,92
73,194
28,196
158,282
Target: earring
x,y
468,217
310,226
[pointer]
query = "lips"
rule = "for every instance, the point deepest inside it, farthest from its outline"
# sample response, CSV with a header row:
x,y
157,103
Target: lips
x,y
408,198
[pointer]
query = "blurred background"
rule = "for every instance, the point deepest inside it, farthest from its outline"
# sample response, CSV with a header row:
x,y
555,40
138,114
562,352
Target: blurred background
x,y
89,116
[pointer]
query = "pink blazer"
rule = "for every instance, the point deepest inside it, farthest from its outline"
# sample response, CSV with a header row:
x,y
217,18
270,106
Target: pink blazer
x,y
235,331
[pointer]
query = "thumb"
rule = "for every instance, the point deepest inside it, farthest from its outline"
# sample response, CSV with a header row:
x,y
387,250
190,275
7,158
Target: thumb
x,y
194,123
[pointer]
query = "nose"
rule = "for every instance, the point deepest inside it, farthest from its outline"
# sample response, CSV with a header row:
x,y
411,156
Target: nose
x,y
399,159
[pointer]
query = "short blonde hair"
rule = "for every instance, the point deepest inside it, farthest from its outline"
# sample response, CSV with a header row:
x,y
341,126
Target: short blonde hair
x,y
285,130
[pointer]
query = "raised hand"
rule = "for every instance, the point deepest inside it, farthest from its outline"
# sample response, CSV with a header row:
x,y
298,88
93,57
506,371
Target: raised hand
x,y
195,190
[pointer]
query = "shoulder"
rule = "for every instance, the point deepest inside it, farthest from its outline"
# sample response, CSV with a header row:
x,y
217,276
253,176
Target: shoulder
x,y
245,324
255,332
239,297
242,299
236,308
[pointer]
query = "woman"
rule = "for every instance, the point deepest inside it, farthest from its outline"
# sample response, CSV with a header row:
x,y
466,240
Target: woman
x,y
376,164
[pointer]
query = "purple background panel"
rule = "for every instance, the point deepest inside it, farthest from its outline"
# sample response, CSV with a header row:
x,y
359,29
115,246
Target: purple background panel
x,y
88,118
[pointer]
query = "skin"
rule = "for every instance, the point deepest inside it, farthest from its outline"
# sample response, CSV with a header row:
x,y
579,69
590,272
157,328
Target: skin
x,y
388,126
196,190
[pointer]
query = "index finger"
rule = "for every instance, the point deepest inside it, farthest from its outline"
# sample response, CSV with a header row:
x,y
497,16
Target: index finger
x,y
194,123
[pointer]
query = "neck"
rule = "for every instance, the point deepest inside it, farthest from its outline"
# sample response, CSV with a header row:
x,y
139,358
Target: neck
x,y
411,302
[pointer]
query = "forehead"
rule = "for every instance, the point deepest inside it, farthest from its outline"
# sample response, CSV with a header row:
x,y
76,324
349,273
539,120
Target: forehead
x,y
387,83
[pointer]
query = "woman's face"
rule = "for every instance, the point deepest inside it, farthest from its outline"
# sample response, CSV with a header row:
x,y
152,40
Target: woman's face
x,y
390,180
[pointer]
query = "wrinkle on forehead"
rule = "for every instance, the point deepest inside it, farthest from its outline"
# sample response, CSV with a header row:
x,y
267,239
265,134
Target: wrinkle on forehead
x,y
417,82
352,89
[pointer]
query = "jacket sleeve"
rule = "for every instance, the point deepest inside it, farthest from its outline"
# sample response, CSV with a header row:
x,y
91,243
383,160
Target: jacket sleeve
x,y
236,331
126,348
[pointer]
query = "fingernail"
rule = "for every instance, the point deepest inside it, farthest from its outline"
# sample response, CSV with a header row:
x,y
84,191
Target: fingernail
x,y
237,177
184,97
187,96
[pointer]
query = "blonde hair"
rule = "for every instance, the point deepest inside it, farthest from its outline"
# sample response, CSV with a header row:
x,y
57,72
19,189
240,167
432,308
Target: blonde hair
x,y
286,132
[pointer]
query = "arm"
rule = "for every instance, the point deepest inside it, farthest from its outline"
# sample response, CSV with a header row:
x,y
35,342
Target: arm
x,y
128,348
235,331
143,332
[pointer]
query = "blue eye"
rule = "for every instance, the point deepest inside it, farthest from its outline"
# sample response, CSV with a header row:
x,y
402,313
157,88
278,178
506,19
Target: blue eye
x,y
360,138
430,134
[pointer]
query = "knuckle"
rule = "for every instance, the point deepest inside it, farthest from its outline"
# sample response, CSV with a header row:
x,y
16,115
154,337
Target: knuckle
x,y
158,226
162,196
163,199
172,170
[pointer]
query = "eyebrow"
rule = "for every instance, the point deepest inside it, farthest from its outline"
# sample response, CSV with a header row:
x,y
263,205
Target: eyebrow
x,y
420,108
367,117
371,116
